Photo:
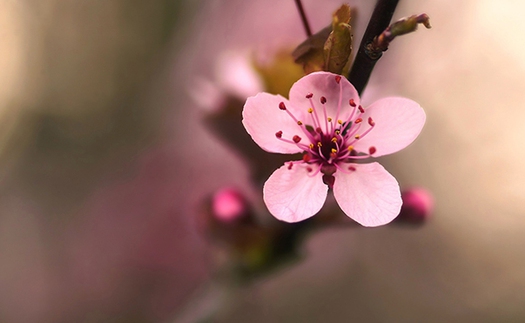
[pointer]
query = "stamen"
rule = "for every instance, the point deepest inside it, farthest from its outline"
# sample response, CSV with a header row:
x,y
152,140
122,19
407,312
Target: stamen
x,y
315,117
334,139
350,148
357,136
352,103
372,150
307,157
333,153
371,122
316,172
353,130
342,170
323,101
309,169
361,109
369,129
319,144
292,142
337,146
329,119
338,78
340,122
310,110
352,168
311,146
320,154
279,134
358,120
352,114
296,139
299,123
338,102
290,165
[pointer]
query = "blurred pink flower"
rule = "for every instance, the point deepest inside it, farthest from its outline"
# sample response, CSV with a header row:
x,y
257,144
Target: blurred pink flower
x,y
234,76
324,120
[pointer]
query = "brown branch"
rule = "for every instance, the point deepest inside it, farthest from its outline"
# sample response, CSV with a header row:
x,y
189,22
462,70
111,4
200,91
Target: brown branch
x,y
363,63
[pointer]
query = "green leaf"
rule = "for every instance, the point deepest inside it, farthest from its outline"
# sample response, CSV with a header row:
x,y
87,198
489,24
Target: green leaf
x,y
338,47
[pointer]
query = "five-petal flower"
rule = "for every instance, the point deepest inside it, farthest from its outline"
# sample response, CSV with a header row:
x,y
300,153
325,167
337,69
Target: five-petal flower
x,y
323,119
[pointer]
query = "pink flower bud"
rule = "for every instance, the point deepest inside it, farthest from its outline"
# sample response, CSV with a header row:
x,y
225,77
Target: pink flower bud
x,y
228,204
418,205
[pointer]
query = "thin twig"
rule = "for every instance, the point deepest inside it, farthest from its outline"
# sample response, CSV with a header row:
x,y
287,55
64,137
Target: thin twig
x,y
303,18
398,28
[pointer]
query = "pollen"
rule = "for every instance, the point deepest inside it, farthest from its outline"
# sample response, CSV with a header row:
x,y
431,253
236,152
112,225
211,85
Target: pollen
x,y
311,146
350,148
299,123
334,150
334,139
310,110
319,144
340,121
357,136
329,119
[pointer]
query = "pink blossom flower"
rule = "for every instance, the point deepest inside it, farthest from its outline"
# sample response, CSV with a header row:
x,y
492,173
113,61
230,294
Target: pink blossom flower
x,y
323,120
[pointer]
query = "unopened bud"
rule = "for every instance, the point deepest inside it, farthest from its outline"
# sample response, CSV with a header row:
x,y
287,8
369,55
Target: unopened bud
x,y
418,205
228,205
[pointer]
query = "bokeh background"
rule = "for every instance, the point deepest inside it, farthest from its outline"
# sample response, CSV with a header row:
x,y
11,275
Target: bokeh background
x,y
104,162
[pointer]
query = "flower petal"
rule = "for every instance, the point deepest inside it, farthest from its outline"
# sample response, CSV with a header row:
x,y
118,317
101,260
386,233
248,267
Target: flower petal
x,y
368,194
262,119
398,122
291,195
324,84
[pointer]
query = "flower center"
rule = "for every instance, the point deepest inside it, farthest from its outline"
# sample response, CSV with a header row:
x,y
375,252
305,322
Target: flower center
x,y
327,141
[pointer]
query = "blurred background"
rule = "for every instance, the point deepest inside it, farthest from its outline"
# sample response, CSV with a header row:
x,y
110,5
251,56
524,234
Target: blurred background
x,y
105,162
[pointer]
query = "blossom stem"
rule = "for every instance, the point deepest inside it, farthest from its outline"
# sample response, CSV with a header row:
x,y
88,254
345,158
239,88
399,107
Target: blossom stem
x,y
365,61
303,18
